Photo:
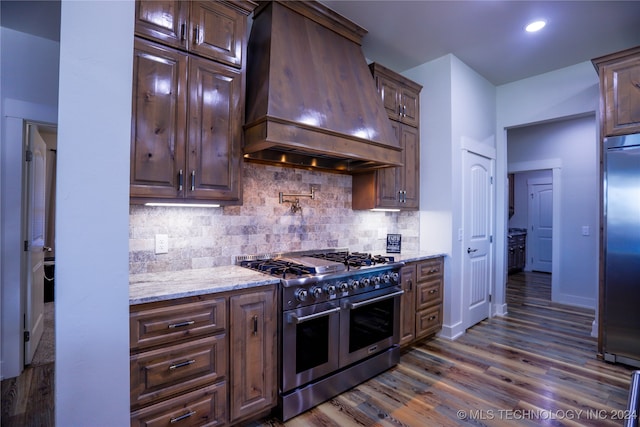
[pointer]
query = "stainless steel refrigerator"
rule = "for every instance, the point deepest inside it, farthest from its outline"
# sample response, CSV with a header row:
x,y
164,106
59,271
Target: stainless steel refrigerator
x,y
621,309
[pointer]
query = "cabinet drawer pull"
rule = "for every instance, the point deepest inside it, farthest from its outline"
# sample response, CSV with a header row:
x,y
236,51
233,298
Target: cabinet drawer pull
x,y
433,291
255,325
434,270
181,324
182,364
182,417
180,180
432,318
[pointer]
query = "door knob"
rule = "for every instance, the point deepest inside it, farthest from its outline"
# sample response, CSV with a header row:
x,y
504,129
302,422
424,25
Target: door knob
x,y
469,250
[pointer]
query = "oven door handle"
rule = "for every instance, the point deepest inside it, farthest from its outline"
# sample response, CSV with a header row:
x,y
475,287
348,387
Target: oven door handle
x,y
353,305
293,318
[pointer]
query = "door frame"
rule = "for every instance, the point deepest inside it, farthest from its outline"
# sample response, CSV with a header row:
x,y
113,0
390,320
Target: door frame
x,y
556,171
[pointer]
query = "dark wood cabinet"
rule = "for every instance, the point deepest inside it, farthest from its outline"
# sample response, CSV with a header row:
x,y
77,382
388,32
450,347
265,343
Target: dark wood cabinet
x,y
204,360
394,188
188,101
421,304
407,304
619,92
211,29
253,354
517,251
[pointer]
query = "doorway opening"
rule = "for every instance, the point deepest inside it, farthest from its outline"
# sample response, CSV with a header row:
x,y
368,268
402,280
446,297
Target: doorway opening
x,y
530,225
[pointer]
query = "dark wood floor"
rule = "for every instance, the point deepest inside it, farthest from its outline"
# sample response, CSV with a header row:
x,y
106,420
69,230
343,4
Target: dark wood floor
x,y
535,366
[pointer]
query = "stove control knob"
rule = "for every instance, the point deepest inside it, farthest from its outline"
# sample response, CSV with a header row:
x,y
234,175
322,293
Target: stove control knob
x,y
343,286
365,282
376,280
330,289
395,278
355,284
316,292
386,278
301,295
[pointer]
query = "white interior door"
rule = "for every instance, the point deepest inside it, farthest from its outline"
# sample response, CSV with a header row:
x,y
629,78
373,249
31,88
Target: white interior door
x,y
540,227
477,237
35,168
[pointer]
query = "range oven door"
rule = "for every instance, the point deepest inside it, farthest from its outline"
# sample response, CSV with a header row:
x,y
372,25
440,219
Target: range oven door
x,y
309,344
369,324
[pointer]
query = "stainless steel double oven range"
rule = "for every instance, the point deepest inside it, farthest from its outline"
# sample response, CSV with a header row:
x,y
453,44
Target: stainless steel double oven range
x,y
338,324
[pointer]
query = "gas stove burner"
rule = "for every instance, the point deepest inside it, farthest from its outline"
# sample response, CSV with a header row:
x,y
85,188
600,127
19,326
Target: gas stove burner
x,y
279,267
354,259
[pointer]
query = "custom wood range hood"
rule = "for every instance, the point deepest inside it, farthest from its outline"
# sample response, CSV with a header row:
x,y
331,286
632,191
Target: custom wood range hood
x,y
311,100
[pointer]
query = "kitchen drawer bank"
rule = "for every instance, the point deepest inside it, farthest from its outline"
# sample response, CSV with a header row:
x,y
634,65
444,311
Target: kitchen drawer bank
x,y
422,279
202,346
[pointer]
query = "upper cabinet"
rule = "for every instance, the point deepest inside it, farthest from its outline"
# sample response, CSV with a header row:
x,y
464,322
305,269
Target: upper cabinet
x,y
212,29
188,101
394,188
619,92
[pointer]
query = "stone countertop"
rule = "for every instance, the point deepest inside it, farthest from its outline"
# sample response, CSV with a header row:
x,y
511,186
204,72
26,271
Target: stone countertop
x,y
415,256
151,287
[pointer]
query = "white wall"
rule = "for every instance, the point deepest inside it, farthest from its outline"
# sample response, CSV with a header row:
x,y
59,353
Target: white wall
x,y
573,142
564,93
29,90
92,270
456,103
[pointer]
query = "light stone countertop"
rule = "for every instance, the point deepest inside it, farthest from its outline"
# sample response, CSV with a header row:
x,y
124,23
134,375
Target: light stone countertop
x,y
152,287
162,286
415,256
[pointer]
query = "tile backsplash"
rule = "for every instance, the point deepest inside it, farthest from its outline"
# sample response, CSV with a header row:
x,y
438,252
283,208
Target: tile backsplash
x,y
208,237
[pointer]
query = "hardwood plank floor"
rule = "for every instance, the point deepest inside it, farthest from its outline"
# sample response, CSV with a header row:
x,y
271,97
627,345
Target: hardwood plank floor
x,y
534,366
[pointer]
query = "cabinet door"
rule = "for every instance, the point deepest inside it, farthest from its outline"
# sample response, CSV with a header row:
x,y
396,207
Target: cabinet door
x,y
218,32
389,92
158,128
410,182
409,107
621,82
389,179
407,304
215,126
164,21
253,350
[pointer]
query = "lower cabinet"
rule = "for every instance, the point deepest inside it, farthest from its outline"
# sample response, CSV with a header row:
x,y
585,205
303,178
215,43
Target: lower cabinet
x,y
421,304
203,361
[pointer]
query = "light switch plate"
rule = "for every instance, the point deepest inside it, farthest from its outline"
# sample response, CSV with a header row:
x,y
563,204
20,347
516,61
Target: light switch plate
x,y
586,230
162,243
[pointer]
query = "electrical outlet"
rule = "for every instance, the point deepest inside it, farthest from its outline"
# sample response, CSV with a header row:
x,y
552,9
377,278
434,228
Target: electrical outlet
x,y
162,243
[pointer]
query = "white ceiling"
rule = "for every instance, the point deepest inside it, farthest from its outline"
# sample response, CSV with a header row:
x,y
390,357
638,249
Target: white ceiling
x,y
487,35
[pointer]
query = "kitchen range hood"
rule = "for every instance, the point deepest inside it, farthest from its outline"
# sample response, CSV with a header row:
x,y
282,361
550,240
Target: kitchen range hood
x,y
311,100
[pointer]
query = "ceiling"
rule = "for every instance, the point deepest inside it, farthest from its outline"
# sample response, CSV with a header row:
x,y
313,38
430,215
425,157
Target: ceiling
x,y
487,35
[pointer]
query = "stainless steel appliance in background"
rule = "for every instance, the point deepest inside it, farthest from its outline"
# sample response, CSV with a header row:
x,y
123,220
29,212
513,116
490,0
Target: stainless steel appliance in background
x,y
621,310
339,322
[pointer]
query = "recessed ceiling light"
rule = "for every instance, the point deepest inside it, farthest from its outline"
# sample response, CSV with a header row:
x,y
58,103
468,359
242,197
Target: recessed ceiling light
x,y
535,26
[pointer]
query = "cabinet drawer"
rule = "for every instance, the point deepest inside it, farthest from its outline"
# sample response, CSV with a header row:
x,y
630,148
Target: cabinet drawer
x,y
160,373
166,324
429,268
429,321
203,407
429,293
